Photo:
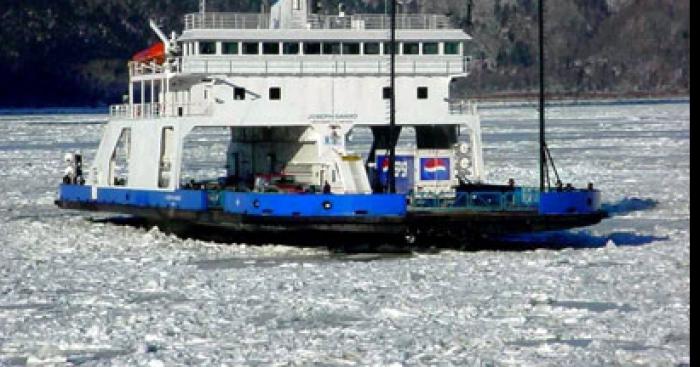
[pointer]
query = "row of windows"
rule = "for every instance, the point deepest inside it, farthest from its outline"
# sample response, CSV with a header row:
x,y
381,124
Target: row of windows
x,y
275,93
320,48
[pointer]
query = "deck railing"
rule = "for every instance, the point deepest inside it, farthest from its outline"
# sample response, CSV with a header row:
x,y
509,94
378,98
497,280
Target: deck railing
x,y
356,21
227,21
157,110
519,199
380,21
146,110
451,66
146,69
462,107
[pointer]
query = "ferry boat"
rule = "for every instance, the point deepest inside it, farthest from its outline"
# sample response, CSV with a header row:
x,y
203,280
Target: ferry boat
x,y
288,87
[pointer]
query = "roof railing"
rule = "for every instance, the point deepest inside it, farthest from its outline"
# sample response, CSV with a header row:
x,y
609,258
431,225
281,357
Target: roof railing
x,y
227,21
356,21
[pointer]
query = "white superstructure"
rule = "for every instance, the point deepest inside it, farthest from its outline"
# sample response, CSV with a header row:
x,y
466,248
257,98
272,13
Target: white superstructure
x,y
291,85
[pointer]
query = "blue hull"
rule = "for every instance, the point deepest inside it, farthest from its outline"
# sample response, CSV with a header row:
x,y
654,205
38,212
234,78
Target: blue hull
x,y
250,204
376,217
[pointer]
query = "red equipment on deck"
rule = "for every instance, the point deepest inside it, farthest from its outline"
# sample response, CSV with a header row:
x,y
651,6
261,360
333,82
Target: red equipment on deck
x,y
154,53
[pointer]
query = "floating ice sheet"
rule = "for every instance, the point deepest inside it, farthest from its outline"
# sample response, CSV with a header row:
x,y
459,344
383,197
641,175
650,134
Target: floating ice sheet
x,y
75,291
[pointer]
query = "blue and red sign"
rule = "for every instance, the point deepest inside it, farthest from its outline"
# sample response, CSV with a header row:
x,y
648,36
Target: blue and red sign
x,y
403,171
435,169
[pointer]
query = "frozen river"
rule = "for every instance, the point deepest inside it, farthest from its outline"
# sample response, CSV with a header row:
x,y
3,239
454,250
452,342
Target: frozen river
x,y
79,292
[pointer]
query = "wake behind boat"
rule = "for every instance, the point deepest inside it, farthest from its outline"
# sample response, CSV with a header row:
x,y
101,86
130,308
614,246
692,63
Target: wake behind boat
x,y
290,86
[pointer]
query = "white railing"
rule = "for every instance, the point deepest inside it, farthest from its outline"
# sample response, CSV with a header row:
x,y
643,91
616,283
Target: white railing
x,y
462,107
157,110
143,69
146,110
380,21
227,21
379,66
356,21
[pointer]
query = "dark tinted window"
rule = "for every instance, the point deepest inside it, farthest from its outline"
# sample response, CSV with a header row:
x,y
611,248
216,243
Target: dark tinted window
x,y
238,94
422,92
331,48
270,48
371,48
250,48
229,48
411,48
451,48
351,48
275,93
386,93
312,48
430,48
207,48
387,48
290,48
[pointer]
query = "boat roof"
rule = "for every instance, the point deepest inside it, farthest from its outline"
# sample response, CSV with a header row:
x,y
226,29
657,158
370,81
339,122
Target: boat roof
x,y
322,34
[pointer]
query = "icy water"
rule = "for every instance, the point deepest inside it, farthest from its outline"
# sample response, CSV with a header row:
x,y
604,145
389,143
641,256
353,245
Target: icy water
x,y
76,292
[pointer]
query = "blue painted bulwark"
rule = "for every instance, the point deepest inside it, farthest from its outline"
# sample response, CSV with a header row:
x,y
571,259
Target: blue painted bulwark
x,y
311,205
79,193
569,202
192,200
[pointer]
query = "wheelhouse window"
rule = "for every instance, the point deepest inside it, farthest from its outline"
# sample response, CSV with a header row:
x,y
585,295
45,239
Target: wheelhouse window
x,y
371,48
411,48
207,48
331,48
275,93
451,48
229,48
251,48
351,48
422,92
290,48
388,47
238,94
430,48
312,48
271,48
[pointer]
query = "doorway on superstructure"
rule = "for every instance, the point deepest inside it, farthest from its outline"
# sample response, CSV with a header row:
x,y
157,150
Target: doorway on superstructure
x,y
204,158
119,163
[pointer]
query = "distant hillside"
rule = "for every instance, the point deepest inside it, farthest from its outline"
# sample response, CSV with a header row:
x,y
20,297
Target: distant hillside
x,y
74,53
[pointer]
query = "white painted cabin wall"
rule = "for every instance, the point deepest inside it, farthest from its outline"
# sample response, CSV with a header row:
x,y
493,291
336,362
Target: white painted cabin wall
x,y
324,99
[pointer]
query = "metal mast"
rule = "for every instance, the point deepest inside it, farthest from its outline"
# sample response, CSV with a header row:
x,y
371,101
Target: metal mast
x,y
543,145
392,104
202,6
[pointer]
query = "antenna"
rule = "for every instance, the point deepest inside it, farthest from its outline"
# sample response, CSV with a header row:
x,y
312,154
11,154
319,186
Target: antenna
x,y
154,26
470,5
392,112
543,152
202,6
